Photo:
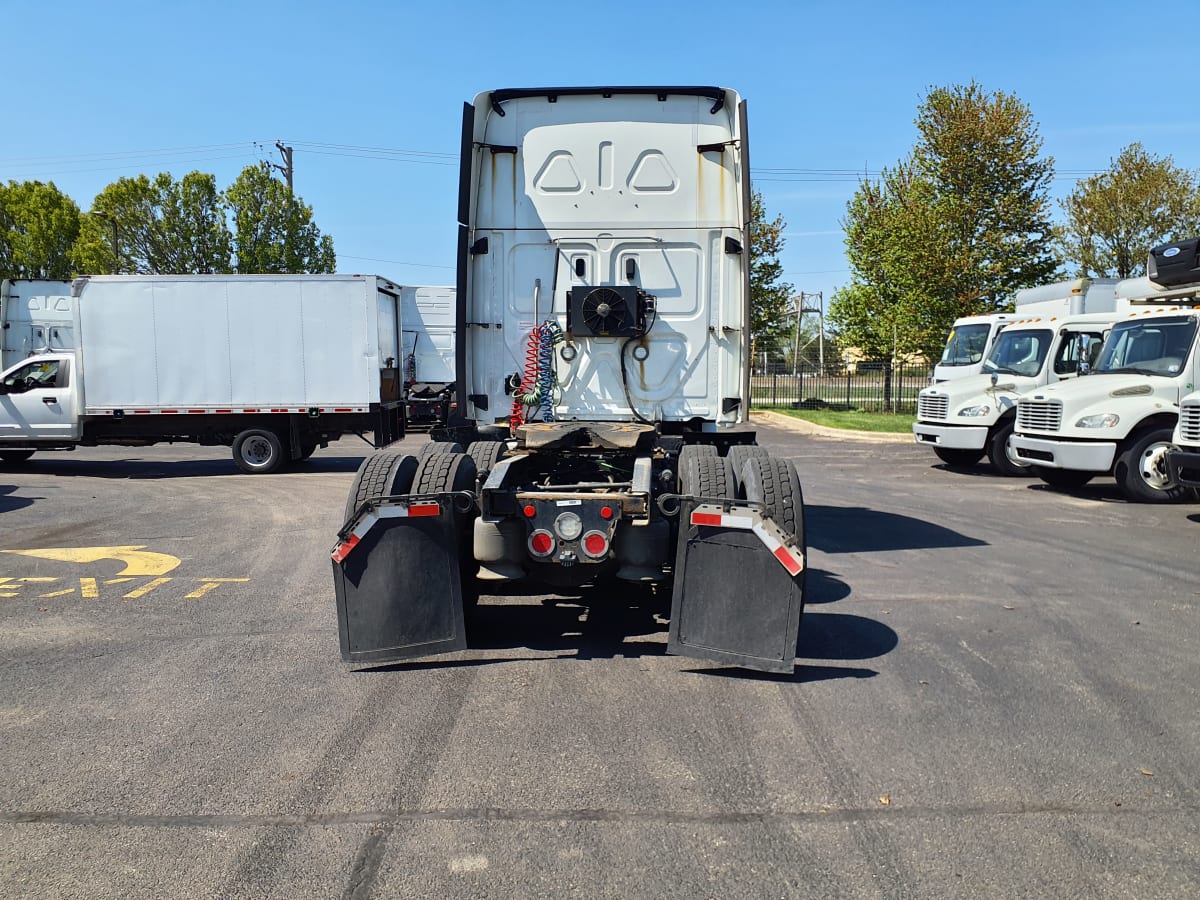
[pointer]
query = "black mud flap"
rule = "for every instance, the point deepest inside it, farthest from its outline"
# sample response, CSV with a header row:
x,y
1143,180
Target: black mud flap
x,y
739,588
398,583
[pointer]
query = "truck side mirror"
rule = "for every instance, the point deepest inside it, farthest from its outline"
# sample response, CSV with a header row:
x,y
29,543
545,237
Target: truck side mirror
x,y
1082,367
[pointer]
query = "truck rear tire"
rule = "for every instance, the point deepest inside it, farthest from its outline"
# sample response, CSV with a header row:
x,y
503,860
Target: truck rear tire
x,y
432,448
384,474
960,459
737,456
775,484
12,457
707,476
1063,479
1142,472
441,472
997,451
258,451
486,454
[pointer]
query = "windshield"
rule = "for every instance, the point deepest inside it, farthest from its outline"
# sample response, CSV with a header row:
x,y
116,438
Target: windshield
x,y
965,345
1149,347
1019,352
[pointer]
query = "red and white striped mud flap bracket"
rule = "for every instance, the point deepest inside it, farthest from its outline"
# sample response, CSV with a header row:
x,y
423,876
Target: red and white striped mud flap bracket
x,y
398,579
739,587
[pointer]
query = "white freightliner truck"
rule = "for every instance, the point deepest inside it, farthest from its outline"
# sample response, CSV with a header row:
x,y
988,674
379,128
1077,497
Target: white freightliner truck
x,y
428,315
1120,419
272,365
972,337
967,418
602,376
35,316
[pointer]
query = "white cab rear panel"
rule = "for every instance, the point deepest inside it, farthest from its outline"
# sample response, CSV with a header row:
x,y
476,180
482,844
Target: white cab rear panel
x,y
587,191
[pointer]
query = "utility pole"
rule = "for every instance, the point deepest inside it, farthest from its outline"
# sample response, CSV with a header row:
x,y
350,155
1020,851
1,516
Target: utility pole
x,y
286,168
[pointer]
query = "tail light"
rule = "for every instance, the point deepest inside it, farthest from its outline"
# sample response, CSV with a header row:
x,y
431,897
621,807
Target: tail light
x,y
595,544
541,542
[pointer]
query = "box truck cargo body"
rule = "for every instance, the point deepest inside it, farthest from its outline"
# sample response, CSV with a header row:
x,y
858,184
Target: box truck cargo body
x,y
272,365
428,316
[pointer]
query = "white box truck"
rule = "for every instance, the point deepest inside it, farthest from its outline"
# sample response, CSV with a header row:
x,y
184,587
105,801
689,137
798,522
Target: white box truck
x,y
1121,418
35,317
428,315
602,372
971,337
963,419
272,365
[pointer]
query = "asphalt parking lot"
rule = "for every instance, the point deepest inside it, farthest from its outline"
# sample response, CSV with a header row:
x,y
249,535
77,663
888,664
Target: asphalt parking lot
x,y
995,695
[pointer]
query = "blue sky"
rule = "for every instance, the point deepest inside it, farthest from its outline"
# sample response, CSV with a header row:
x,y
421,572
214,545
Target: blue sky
x,y
94,91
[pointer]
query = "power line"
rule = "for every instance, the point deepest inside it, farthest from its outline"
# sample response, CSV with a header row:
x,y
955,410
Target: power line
x,y
397,262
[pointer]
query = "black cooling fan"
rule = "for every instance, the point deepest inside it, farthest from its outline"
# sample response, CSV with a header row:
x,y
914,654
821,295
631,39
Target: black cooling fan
x,y
605,312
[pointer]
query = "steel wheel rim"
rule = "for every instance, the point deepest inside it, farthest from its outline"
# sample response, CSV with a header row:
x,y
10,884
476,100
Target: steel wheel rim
x,y
256,451
1153,466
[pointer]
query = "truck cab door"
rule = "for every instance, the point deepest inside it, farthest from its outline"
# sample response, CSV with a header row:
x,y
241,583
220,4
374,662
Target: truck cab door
x,y
38,401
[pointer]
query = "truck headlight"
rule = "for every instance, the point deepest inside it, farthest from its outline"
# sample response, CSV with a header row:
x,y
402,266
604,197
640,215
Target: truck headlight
x,y
975,412
1100,420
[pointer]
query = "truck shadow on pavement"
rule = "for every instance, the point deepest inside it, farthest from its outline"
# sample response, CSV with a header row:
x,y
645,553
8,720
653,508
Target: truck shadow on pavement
x,y
630,621
150,468
8,503
856,529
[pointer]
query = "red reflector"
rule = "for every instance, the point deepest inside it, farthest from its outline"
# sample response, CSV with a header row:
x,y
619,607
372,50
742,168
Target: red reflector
x,y
541,543
595,544
424,509
529,511
342,550
606,512
706,519
789,562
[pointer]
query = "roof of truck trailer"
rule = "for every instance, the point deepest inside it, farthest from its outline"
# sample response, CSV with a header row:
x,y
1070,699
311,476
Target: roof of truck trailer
x,y
1142,288
717,94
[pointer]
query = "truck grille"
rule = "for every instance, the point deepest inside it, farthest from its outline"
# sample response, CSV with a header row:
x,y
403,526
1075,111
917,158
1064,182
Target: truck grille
x,y
1189,423
1039,415
932,406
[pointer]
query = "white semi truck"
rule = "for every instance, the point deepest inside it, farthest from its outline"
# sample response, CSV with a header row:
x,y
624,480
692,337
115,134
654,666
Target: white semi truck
x,y
35,317
964,419
1122,417
972,337
602,372
272,365
428,314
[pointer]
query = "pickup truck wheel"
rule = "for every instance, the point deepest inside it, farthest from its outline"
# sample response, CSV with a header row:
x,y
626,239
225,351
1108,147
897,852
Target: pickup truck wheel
x,y
997,451
775,484
737,456
1142,471
1064,479
258,451
958,458
15,456
385,474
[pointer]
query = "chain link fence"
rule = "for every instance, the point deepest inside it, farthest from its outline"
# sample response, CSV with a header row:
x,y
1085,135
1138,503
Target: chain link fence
x,y
867,386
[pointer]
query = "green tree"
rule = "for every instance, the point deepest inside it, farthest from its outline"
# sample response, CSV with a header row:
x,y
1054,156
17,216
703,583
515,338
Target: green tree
x,y
1115,217
39,225
274,230
162,226
953,230
769,293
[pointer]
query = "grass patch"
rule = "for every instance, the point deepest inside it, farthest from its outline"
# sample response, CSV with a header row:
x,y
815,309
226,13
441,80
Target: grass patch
x,y
853,419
